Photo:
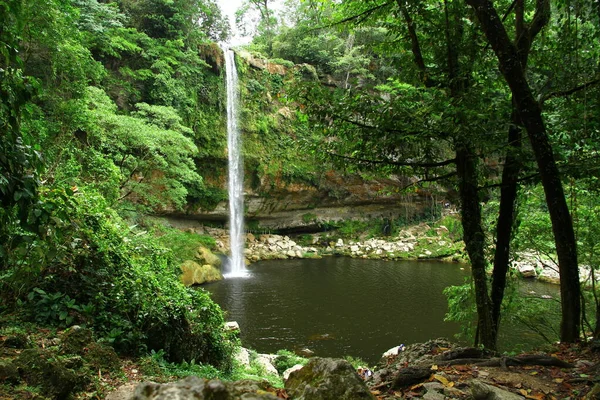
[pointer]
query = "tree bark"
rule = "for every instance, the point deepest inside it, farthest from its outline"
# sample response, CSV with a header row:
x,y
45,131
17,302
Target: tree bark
x,y
530,114
466,168
506,216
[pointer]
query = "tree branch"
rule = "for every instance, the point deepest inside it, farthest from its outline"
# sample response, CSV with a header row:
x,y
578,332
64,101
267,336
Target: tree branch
x,y
396,163
565,93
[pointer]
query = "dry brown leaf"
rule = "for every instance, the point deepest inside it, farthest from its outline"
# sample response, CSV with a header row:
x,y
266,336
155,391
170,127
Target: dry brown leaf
x,y
523,392
536,396
434,367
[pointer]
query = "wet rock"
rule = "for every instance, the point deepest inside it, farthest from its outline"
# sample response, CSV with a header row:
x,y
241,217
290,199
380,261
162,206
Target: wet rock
x,y
326,379
201,389
206,257
483,391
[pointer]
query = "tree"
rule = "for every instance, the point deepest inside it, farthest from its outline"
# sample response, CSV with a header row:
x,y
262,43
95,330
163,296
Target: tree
x,y
256,17
530,115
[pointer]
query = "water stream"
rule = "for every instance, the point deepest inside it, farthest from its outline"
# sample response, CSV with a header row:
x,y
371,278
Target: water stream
x,y
236,171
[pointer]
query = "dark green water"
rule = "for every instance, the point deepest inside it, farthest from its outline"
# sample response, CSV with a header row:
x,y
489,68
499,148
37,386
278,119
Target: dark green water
x,y
339,306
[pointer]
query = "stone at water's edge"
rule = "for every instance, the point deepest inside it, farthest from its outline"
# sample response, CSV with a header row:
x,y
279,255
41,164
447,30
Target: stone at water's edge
x,y
193,273
193,387
327,379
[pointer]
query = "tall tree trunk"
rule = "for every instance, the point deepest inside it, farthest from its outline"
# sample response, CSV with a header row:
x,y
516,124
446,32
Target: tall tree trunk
x,y
506,216
466,167
530,114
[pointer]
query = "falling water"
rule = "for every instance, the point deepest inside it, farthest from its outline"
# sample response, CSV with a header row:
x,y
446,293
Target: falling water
x,y
236,170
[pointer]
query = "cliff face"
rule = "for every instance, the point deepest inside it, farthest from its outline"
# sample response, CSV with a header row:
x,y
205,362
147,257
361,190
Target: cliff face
x,y
302,207
286,187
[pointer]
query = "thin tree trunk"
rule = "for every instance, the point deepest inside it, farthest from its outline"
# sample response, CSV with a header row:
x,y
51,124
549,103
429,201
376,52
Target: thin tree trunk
x,y
506,216
530,115
466,166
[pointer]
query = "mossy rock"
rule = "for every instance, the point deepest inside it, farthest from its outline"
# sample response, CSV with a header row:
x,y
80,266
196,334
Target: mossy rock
x,y
325,379
17,341
206,257
46,370
102,357
75,340
196,274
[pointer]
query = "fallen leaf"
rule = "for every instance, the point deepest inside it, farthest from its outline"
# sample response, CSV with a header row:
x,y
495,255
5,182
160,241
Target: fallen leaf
x,y
523,392
434,367
441,379
417,386
484,374
558,380
537,396
534,372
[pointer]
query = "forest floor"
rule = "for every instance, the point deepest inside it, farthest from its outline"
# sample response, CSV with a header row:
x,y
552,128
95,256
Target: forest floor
x,y
535,381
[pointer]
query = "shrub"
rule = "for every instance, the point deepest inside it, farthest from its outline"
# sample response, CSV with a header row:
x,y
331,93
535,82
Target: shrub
x,y
89,267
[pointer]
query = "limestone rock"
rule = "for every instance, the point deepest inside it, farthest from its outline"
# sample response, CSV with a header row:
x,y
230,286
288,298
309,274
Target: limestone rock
x,y
243,357
265,361
232,326
527,270
205,256
193,387
326,379
483,391
196,274
124,392
287,372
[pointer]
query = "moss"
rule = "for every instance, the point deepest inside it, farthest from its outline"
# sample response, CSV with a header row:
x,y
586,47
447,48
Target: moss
x,y
102,357
42,368
75,340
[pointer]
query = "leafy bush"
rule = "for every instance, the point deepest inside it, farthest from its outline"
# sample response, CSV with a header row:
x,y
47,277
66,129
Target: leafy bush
x,y
89,267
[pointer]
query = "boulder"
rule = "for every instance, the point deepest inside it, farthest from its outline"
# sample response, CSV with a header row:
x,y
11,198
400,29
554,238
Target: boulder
x,y
204,256
196,274
527,270
266,361
243,357
75,339
287,372
326,379
193,387
483,391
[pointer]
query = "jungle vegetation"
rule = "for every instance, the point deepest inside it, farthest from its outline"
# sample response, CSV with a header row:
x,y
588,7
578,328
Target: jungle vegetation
x,y
111,110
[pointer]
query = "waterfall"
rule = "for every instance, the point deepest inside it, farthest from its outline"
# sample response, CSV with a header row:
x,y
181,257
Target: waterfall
x,y
236,170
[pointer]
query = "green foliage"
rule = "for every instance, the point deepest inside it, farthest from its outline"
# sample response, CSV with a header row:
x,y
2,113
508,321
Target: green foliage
x,y
461,309
184,245
90,268
287,359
